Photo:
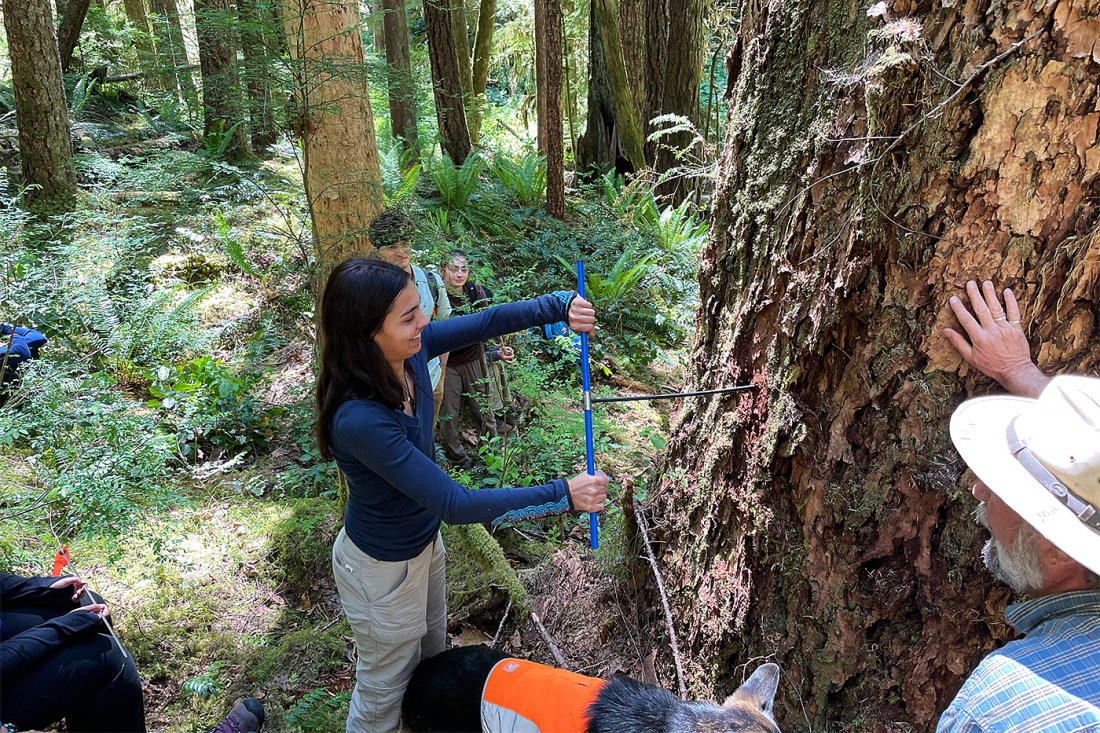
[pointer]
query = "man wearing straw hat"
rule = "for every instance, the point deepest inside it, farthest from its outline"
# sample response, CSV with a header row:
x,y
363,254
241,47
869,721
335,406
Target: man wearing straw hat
x,y
1037,462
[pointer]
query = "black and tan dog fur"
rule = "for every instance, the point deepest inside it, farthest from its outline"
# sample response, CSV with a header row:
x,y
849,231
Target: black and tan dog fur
x,y
444,696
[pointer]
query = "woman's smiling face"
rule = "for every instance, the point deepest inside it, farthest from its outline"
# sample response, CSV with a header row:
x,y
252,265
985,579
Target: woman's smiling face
x,y
399,336
456,272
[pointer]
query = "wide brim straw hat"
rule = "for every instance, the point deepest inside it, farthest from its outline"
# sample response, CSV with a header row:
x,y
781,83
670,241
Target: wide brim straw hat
x,y
1042,458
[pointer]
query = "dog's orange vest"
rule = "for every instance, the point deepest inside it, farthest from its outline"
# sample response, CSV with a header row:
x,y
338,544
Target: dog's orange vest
x,y
526,697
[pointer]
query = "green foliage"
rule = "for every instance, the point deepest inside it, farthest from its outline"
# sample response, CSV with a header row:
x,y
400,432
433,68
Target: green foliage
x,y
524,179
319,709
234,249
480,545
216,143
97,461
7,98
83,90
399,178
678,229
155,328
457,185
300,545
212,407
205,684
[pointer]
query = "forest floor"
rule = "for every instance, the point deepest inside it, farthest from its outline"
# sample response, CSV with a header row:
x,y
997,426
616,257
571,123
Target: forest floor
x,y
225,590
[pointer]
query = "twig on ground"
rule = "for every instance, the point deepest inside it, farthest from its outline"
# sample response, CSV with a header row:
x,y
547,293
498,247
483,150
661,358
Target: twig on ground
x,y
549,642
330,624
643,525
500,627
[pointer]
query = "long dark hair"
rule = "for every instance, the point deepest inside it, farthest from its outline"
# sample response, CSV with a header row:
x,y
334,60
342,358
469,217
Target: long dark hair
x,y
358,295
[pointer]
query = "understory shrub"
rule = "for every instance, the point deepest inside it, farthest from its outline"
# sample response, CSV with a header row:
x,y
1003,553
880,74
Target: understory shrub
x,y
212,408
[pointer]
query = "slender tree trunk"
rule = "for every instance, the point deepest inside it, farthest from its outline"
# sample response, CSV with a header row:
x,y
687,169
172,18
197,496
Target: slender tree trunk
x,y
712,95
172,50
446,81
258,51
550,127
540,76
139,21
402,89
680,93
626,121
824,520
483,45
41,112
222,102
656,54
570,99
342,176
376,21
68,32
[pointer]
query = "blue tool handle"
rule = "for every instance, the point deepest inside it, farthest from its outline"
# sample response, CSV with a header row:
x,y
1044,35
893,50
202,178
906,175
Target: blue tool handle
x,y
589,443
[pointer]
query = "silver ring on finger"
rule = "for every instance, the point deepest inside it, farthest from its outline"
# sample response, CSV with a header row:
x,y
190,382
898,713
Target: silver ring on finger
x,y
1015,323
1001,317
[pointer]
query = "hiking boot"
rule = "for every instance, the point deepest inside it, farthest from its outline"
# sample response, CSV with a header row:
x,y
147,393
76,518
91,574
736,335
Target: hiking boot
x,y
247,717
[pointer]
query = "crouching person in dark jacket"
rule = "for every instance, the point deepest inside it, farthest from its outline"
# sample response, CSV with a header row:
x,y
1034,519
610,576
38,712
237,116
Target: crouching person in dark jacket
x,y
58,660
17,345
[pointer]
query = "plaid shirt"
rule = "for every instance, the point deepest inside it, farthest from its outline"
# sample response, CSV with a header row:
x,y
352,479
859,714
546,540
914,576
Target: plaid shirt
x,y
1047,681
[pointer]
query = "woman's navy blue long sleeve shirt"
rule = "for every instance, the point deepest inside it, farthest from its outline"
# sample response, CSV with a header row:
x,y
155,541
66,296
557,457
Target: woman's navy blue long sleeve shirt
x,y
397,495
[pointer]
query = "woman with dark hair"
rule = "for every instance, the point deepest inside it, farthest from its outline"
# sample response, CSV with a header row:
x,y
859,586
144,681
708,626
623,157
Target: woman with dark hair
x,y
375,420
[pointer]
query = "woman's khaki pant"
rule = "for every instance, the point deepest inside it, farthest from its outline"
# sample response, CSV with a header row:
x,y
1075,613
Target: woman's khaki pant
x,y
398,613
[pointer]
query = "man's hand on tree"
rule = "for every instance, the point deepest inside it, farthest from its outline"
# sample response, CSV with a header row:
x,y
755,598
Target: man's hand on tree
x,y
997,345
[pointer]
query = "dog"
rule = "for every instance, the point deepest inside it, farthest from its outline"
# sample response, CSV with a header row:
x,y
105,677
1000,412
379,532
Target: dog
x,y
475,689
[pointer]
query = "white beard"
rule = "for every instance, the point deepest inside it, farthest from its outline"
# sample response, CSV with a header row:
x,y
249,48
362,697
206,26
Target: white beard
x,y
1018,564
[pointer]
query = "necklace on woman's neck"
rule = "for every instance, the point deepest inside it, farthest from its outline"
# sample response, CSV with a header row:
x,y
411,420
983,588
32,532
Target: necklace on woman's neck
x,y
407,389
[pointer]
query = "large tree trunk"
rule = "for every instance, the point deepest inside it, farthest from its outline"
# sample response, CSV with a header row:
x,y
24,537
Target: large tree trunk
x,y
401,85
172,50
549,88
446,81
622,97
68,32
139,21
823,520
680,91
632,34
461,33
597,148
342,176
483,45
41,112
656,52
259,51
222,102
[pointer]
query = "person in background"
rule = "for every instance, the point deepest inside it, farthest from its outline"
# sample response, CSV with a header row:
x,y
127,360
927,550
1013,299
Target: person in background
x,y
1037,463
469,382
59,661
17,346
375,420
391,232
